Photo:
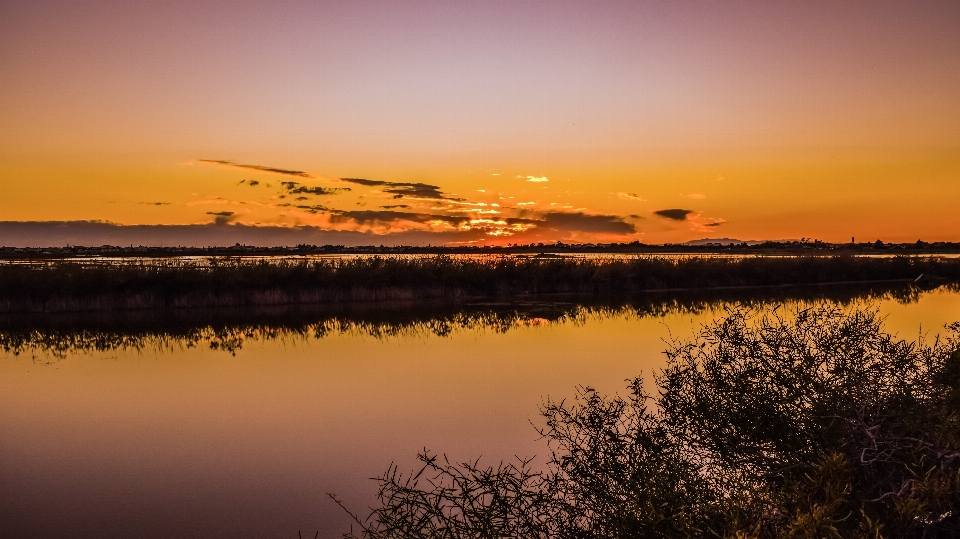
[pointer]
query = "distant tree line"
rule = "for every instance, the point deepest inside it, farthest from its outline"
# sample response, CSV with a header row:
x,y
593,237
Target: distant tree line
x,y
802,246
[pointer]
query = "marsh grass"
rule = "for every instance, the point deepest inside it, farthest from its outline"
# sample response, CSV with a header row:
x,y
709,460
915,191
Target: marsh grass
x,y
228,329
65,286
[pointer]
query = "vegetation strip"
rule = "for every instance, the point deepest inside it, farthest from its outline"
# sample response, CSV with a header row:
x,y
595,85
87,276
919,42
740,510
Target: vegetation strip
x,y
65,286
57,335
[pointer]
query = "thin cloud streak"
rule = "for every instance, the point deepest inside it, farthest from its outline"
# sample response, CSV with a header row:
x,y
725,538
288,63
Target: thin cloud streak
x,y
698,223
314,209
260,168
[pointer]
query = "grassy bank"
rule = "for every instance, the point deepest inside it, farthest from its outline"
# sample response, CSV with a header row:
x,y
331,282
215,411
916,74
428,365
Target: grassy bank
x,y
64,286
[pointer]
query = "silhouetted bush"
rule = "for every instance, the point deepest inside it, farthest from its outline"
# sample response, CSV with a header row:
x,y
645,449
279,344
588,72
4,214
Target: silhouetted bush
x,y
809,424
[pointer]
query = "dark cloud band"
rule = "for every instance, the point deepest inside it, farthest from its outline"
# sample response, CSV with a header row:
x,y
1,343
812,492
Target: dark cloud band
x,y
408,190
581,222
675,214
363,217
222,217
295,188
577,222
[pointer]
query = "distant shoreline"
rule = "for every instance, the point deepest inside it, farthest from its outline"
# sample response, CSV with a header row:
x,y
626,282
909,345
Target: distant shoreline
x,y
65,286
771,248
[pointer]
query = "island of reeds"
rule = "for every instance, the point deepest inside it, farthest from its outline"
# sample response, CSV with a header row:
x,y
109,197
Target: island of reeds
x,y
62,286
58,335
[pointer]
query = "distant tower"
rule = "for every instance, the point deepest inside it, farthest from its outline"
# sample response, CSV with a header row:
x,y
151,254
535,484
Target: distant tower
x,y
853,239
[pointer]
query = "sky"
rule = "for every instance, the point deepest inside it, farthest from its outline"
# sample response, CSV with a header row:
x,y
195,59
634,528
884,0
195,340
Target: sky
x,y
470,123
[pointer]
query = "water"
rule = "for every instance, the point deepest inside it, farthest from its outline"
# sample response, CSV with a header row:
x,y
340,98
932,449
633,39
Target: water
x,y
165,436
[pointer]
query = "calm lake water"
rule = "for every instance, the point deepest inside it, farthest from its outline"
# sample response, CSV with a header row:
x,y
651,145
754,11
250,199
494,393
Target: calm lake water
x,y
168,437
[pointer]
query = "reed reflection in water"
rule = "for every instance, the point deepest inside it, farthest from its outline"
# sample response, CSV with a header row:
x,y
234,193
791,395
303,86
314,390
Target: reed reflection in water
x,y
61,334
226,423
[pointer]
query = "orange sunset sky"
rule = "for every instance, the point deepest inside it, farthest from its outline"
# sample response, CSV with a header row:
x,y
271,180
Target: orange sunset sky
x,y
415,122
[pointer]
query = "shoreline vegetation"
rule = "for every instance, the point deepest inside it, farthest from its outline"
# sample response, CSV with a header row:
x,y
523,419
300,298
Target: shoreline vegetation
x,y
805,424
65,286
704,247
227,329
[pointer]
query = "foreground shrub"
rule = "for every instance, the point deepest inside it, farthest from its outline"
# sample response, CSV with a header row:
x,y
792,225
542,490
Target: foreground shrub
x,y
808,424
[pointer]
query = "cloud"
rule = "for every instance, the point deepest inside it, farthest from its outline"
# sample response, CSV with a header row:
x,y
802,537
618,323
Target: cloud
x,y
537,179
389,206
577,222
156,203
371,217
401,189
631,196
368,183
254,183
222,217
272,170
703,224
674,214
315,208
696,196
295,188
582,222
362,217
95,233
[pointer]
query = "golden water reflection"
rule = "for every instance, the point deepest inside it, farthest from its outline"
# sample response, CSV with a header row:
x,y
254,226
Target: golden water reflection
x,y
160,436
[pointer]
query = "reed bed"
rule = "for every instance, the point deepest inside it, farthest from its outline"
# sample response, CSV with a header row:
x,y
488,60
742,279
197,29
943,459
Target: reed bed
x,y
58,335
65,286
